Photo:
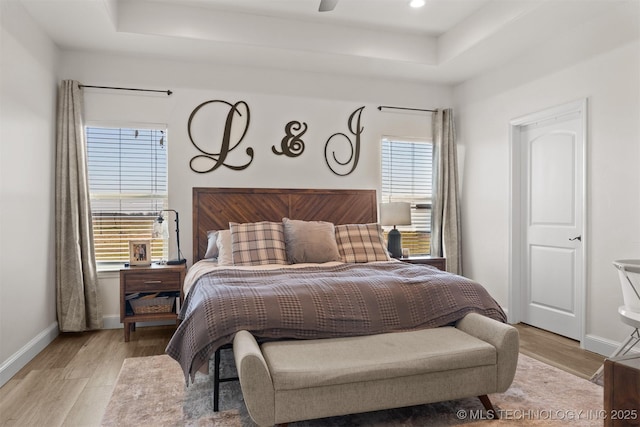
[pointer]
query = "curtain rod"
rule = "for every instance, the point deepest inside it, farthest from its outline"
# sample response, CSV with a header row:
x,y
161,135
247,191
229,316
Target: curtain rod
x,y
405,108
168,92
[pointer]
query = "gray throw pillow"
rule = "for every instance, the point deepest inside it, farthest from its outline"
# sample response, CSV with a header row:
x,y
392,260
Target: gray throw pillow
x,y
310,241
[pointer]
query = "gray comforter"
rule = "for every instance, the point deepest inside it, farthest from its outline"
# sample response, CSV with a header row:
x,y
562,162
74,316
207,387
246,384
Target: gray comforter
x,y
320,302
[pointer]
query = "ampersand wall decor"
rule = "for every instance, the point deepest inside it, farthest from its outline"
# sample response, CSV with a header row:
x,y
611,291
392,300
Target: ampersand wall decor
x,y
292,144
238,110
354,155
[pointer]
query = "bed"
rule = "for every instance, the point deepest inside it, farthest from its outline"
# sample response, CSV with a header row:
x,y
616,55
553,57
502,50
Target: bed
x,y
319,295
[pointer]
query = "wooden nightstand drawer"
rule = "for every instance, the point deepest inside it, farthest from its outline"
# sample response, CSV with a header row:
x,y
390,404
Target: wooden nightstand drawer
x,y
141,282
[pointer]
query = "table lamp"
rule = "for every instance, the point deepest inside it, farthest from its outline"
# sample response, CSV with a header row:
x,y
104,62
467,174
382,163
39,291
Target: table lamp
x,y
392,214
159,220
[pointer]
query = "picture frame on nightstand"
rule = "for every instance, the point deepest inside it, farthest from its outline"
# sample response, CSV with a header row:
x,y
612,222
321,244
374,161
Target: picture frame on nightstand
x,y
140,252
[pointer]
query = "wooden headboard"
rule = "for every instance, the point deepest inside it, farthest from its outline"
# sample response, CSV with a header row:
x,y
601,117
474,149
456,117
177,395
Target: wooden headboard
x,y
214,208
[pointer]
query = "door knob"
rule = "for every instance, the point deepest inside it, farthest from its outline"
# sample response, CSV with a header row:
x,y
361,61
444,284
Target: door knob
x,y
578,238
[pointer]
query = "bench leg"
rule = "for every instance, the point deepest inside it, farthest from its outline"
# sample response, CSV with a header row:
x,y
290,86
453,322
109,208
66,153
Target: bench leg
x,y
489,407
216,381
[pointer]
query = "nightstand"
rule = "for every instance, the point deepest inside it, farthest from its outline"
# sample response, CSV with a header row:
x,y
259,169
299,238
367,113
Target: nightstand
x,y
622,390
157,284
438,262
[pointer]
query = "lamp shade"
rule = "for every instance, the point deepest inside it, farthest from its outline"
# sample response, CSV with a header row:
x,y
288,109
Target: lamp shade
x,y
395,213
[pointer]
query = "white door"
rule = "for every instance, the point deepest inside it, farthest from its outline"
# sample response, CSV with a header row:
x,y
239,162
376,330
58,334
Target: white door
x,y
552,219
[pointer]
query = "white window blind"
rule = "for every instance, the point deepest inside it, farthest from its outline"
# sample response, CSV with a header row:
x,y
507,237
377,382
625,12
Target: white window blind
x,y
128,186
407,169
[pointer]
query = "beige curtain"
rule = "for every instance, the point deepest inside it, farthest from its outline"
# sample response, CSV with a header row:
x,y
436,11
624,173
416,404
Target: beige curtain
x,y
78,303
445,213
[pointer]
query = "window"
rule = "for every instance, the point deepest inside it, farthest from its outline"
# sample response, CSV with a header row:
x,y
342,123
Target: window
x,y
128,186
407,167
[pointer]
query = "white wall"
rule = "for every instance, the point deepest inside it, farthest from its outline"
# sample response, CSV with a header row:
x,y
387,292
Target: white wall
x,y
610,80
274,97
27,151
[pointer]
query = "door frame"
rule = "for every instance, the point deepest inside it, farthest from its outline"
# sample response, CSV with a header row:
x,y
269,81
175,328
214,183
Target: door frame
x,y
516,221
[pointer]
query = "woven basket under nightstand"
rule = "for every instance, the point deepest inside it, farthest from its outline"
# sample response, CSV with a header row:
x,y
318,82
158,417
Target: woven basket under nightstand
x,y
152,305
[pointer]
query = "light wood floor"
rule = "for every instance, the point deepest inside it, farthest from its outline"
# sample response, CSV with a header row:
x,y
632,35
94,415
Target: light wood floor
x,y
70,382
558,351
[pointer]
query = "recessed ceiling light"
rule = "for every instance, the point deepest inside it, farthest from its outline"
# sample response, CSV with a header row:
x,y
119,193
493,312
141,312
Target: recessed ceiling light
x,y
416,3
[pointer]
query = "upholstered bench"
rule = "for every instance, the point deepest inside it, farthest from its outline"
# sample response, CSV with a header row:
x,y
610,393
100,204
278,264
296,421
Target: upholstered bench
x,y
293,380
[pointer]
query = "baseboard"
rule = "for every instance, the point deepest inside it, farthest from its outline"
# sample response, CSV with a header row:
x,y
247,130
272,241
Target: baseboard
x,y
603,346
111,322
18,360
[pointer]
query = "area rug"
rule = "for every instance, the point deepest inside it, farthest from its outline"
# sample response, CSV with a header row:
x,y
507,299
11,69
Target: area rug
x,y
150,391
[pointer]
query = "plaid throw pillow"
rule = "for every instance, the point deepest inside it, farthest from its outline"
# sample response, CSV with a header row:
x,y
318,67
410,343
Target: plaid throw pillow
x,y
361,243
258,243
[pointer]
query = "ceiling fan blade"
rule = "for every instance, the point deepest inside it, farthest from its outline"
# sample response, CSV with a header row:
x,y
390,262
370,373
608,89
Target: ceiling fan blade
x,y
327,5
